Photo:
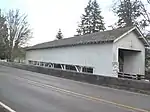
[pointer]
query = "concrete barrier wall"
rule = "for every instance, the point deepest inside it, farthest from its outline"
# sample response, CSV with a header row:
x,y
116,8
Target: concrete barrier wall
x,y
133,85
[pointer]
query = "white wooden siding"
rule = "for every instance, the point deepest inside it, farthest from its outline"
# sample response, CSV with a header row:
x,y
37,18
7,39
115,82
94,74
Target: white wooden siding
x,y
98,56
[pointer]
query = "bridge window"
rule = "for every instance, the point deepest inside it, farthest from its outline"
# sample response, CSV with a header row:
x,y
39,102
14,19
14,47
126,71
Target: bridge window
x,y
87,69
70,67
57,66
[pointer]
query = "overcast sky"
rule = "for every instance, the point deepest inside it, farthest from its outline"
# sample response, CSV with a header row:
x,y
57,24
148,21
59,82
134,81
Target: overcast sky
x,y
47,16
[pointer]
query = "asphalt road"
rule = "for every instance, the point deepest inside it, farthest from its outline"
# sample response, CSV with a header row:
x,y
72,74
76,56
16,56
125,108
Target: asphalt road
x,y
25,91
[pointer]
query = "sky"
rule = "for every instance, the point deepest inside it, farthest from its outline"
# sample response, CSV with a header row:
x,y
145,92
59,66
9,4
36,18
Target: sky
x,y
47,16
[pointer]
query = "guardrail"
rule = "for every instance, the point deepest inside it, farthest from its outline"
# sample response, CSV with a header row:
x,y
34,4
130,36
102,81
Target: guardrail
x,y
130,76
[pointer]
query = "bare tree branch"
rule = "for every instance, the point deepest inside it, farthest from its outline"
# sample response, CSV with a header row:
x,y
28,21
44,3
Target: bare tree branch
x,y
18,29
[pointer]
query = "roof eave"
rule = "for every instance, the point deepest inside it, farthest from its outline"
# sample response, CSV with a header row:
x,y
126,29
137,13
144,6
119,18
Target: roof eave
x,y
146,43
86,43
140,33
120,37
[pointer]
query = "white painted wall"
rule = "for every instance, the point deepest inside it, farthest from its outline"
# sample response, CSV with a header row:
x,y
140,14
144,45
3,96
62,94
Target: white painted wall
x,y
131,62
134,61
98,56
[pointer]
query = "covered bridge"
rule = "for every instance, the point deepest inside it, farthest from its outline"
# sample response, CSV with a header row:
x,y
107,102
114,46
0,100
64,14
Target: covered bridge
x,y
110,53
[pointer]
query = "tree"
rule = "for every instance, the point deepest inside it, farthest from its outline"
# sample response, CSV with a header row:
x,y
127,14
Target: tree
x,y
18,30
20,55
85,25
97,19
91,21
3,37
131,13
147,58
59,35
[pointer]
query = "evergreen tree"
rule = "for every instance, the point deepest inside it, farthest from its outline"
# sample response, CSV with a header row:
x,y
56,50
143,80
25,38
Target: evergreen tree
x,y
59,35
97,19
85,26
91,21
127,13
147,58
3,37
131,13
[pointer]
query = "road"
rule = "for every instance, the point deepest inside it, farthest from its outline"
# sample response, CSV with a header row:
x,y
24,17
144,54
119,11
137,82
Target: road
x,y
25,91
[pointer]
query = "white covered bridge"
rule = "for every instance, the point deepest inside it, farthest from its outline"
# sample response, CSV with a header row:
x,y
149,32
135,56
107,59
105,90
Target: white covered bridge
x,y
112,53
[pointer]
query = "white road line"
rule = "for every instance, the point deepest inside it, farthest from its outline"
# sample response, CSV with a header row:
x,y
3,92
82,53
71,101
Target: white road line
x,y
6,107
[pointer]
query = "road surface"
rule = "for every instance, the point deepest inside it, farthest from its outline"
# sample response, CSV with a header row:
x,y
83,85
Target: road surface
x,y
25,91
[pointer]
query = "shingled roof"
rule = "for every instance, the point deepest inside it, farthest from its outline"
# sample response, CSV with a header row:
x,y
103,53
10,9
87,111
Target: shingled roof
x,y
94,38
